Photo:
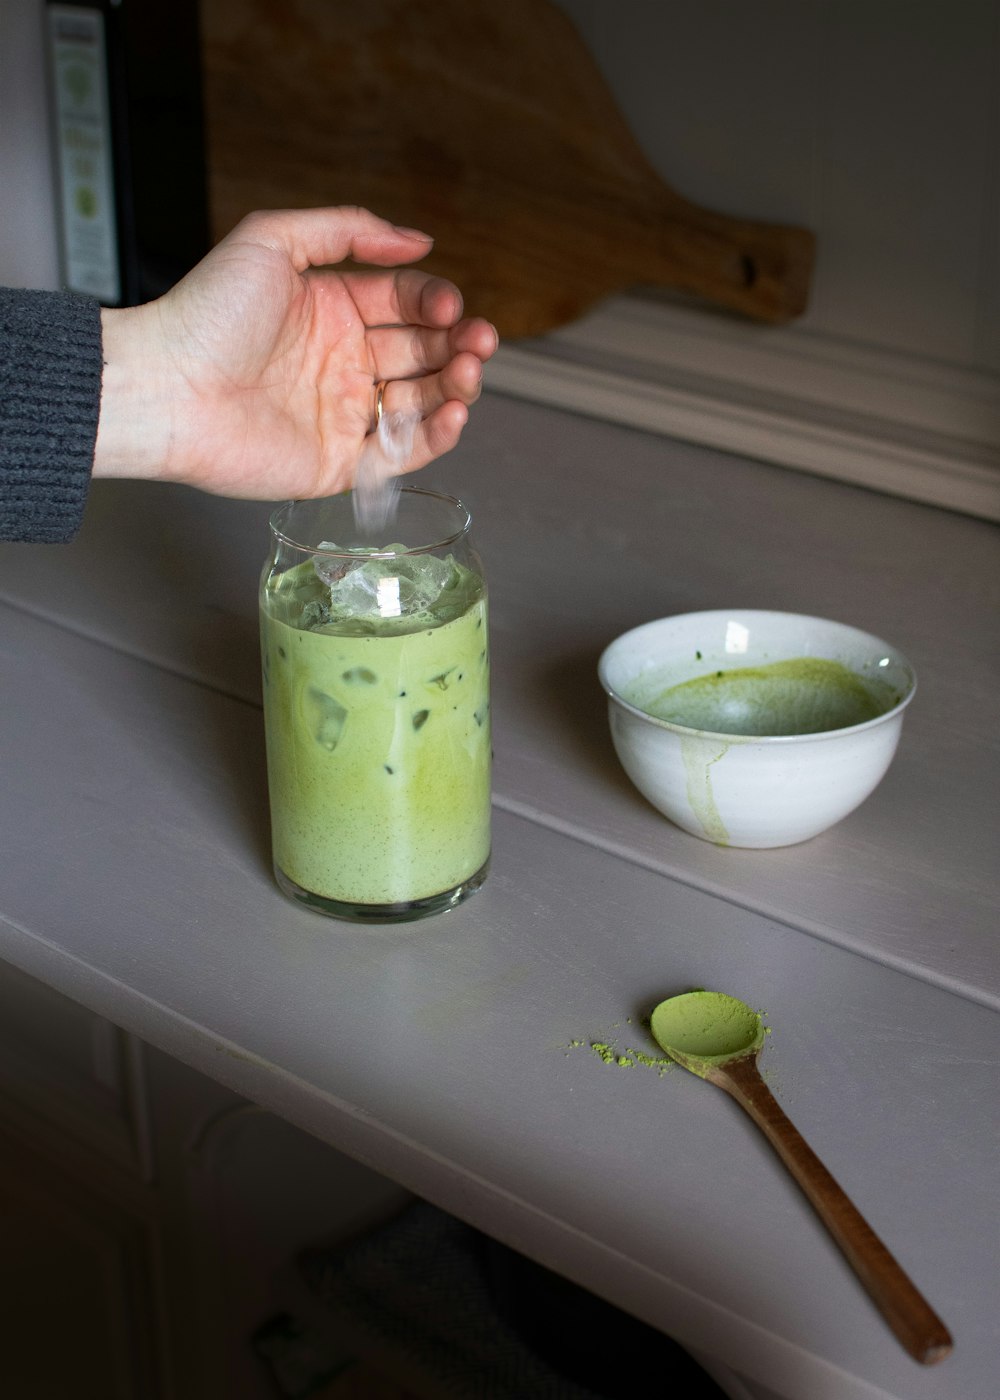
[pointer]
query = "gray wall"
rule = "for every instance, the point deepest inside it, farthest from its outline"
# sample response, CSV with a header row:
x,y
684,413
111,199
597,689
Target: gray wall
x,y
874,122
28,249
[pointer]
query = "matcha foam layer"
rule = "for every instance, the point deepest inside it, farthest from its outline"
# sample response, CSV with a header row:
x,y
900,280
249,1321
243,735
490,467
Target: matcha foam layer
x,y
805,695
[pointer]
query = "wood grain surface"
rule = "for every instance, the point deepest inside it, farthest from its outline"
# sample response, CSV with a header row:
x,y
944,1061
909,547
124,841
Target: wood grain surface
x,y
915,1323
488,125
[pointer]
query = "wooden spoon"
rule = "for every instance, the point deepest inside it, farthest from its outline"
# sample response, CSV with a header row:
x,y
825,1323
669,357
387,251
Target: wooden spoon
x,y
719,1038
489,125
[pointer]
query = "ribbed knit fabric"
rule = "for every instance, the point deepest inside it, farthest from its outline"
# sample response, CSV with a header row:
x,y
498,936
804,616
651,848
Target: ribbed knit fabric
x,y
50,395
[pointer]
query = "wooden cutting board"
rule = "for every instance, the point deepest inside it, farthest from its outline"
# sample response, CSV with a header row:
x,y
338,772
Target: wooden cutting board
x,y
486,123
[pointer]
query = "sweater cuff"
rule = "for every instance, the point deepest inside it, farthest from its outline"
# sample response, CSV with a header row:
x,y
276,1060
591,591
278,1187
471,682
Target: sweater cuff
x,y
50,399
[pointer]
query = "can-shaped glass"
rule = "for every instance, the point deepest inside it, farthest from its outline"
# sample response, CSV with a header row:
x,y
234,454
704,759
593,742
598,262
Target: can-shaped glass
x,y
375,660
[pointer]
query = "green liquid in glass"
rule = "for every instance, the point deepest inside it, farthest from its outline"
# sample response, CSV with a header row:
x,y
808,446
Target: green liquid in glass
x,y
378,742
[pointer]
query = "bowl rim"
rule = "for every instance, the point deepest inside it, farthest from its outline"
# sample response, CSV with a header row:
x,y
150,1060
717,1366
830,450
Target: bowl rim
x,y
738,614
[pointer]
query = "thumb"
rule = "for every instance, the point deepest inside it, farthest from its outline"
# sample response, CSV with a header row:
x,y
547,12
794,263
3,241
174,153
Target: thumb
x,y
315,237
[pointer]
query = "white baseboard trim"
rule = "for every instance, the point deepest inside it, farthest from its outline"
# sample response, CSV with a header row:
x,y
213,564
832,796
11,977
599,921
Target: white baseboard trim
x,y
881,419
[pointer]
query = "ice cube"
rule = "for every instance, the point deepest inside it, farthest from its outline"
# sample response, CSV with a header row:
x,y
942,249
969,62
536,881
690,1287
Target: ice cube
x,y
328,568
326,717
398,587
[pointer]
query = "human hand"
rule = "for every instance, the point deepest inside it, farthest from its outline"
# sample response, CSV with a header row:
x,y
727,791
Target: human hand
x,y
255,375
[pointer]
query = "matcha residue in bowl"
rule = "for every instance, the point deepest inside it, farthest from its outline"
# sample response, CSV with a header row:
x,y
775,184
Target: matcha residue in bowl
x,y
805,695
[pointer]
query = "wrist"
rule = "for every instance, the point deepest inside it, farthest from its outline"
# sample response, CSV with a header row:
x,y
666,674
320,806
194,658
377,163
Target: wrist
x,y
134,426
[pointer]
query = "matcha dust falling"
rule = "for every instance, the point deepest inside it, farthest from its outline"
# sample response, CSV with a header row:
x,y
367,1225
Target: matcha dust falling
x,y
375,663
719,1038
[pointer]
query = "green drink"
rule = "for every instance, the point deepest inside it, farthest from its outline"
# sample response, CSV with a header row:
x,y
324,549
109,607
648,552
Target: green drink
x,y
376,707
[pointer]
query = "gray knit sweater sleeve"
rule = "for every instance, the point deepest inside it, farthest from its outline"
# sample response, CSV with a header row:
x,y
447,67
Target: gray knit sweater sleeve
x,y
50,395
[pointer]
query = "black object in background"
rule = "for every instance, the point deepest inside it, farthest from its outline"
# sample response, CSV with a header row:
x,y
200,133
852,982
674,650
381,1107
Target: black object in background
x,y
127,110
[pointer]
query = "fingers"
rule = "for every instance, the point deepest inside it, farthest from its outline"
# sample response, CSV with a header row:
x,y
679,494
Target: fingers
x,y
314,237
459,381
405,297
440,402
400,352
437,434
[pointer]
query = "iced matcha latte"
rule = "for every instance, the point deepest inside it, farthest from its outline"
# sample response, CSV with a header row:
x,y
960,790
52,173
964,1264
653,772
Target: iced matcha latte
x,y
376,705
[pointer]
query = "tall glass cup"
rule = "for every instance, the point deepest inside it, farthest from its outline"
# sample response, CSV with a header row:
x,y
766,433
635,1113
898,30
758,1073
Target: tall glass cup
x,y
376,708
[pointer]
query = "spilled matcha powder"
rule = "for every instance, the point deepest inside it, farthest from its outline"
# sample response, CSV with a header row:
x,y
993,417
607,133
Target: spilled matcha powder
x,y
696,1029
624,1057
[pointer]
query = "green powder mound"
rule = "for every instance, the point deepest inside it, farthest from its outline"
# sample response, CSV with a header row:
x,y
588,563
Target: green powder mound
x,y
700,1029
807,695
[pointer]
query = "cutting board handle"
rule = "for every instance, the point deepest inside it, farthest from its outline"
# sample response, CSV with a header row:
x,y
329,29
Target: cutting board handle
x,y
760,270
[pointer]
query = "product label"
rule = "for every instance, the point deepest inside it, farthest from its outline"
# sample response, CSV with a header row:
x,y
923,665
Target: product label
x,y
85,170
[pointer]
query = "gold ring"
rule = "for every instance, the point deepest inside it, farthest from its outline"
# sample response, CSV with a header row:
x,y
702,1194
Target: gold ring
x,y
379,396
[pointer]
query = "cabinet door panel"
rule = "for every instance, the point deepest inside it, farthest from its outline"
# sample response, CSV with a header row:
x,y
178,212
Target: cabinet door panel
x,y
72,1068
76,1289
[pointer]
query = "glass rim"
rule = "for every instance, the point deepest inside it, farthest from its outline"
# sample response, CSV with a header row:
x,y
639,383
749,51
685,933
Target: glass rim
x,y
443,496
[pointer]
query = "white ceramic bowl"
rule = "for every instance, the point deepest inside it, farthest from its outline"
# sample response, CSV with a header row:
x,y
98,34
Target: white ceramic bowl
x,y
748,789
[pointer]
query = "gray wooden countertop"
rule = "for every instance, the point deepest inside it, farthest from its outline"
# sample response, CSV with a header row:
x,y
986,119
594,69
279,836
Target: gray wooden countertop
x,y
136,879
